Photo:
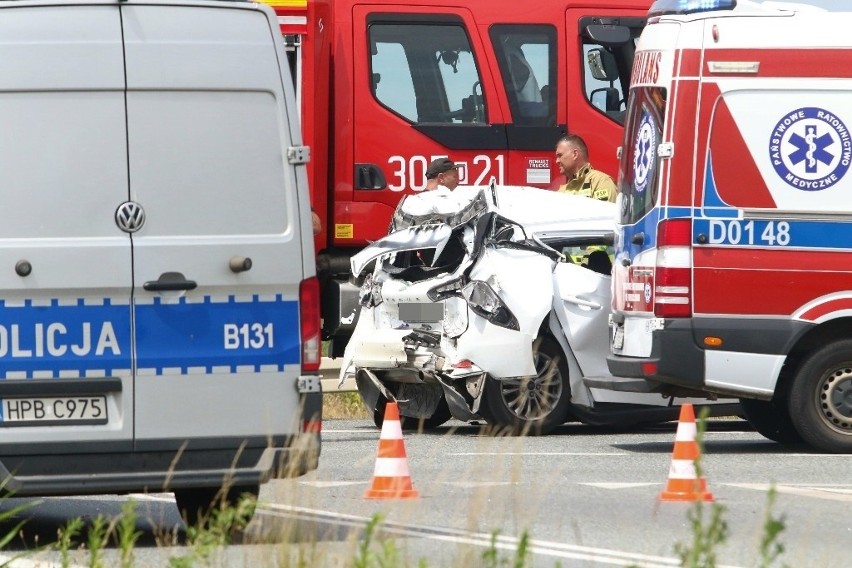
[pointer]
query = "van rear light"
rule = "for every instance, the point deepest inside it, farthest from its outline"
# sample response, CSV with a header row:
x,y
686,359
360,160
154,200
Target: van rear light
x,y
309,318
673,273
674,233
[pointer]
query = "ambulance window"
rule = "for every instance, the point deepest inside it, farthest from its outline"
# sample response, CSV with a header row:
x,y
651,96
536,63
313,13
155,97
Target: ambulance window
x,y
527,58
639,168
426,73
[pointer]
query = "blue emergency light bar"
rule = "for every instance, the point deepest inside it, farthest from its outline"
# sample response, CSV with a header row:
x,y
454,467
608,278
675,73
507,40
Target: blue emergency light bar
x,y
663,7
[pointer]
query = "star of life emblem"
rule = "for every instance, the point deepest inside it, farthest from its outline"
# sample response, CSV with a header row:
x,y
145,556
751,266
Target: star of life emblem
x,y
810,149
644,152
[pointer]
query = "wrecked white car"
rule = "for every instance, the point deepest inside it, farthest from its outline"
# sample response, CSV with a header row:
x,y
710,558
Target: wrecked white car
x,y
492,303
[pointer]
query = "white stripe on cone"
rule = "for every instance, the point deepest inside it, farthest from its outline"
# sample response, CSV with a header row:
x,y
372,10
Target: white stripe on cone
x,y
391,430
682,469
686,432
391,467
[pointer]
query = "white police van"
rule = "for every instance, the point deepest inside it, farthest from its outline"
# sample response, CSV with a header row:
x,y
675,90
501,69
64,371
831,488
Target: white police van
x,y
159,325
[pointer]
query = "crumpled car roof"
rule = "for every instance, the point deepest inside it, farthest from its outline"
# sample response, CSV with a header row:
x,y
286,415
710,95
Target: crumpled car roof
x,y
418,218
532,207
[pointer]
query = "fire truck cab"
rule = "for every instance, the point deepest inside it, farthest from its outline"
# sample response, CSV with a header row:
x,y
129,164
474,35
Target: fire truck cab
x,y
387,86
732,268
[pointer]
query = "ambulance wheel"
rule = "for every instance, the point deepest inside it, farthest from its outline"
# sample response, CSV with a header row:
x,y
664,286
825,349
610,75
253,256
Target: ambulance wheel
x,y
821,398
439,417
533,405
196,505
771,419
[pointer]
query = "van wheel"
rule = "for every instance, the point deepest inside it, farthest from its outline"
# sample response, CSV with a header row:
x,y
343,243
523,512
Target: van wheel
x,y
821,398
771,419
532,405
439,417
197,504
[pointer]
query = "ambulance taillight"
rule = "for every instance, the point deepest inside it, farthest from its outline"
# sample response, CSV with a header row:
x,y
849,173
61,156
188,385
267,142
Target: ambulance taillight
x,y
673,272
309,316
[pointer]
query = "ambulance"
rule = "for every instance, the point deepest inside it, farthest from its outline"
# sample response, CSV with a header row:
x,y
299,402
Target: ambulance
x,y
733,267
159,310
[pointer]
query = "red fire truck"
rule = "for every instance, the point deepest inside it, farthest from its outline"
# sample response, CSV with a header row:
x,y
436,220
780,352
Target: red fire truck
x,y
386,86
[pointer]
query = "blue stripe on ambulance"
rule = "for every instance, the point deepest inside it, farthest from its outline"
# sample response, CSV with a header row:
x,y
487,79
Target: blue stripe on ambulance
x,y
95,340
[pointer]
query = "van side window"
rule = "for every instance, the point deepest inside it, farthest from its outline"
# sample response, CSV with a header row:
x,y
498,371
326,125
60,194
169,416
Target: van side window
x,y
426,73
527,58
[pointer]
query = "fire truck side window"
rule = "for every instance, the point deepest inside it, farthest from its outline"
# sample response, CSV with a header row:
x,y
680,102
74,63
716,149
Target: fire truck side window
x,y
527,58
426,73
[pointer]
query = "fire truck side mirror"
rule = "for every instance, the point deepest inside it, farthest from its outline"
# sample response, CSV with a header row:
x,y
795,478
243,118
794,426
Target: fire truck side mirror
x,y
608,34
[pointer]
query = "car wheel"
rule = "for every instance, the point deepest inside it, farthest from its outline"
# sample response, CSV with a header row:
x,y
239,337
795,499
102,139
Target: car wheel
x,y
532,405
821,398
196,504
440,416
771,419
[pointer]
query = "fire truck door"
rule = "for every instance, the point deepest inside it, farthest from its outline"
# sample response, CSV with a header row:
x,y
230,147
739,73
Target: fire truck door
x,y
598,67
422,90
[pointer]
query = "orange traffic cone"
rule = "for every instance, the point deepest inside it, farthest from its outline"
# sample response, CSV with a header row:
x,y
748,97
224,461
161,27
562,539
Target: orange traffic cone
x,y
684,484
391,479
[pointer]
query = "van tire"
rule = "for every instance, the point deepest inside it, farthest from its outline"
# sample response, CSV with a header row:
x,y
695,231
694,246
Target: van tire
x,y
196,504
821,398
439,417
509,413
771,419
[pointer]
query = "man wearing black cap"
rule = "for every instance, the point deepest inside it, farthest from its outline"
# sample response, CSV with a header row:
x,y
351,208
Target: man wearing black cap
x,y
442,172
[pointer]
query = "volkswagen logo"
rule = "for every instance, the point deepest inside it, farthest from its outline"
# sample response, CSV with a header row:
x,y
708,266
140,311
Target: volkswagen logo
x,y
129,216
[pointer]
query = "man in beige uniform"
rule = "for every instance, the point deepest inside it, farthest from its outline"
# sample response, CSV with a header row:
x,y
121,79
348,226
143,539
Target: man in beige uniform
x,y
572,156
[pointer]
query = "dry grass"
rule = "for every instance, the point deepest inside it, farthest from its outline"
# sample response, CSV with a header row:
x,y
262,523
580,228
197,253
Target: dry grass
x,y
344,406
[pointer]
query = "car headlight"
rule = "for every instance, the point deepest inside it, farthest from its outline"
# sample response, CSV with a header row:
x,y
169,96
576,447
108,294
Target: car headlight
x,y
484,301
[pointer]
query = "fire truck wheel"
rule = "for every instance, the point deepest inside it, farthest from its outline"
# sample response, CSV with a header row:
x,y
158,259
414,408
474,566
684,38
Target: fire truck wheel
x,y
771,419
821,398
440,416
532,405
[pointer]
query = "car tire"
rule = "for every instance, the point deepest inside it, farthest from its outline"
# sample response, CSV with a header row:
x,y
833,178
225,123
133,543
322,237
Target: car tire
x,y
530,405
820,401
439,417
771,419
195,504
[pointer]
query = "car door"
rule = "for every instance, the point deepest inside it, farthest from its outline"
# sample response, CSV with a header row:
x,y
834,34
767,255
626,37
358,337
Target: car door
x,y
582,300
218,263
65,332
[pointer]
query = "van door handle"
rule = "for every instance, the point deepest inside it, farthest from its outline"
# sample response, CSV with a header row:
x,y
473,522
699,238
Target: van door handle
x,y
170,282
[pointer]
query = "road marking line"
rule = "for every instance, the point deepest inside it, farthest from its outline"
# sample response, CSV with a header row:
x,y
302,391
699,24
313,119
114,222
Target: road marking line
x,y
622,454
618,485
828,492
456,536
324,484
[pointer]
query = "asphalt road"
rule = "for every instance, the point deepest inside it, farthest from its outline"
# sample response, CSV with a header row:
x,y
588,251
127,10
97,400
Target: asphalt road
x,y
583,496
